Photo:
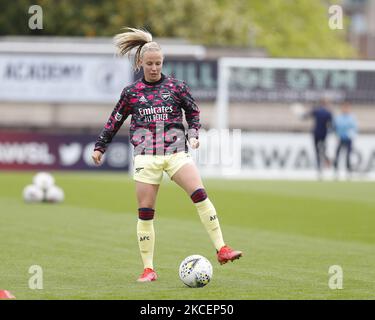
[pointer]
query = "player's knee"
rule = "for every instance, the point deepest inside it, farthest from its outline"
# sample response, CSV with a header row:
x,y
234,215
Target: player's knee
x,y
199,195
146,213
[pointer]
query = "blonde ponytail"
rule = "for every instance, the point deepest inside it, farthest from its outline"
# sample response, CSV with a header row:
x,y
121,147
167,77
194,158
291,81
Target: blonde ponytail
x,y
127,41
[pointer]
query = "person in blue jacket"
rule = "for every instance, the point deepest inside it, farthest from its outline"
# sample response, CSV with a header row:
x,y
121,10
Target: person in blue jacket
x,y
345,126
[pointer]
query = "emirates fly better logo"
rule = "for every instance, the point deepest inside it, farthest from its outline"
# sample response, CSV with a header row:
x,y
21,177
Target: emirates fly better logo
x,y
155,113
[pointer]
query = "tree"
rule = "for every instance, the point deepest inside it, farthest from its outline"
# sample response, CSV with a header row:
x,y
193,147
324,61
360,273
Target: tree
x,y
297,29
288,28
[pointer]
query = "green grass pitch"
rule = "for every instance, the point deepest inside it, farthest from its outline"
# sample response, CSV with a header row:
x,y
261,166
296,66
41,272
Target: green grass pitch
x,y
290,233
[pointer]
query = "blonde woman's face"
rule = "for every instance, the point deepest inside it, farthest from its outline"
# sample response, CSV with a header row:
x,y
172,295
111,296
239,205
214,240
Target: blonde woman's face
x,y
152,63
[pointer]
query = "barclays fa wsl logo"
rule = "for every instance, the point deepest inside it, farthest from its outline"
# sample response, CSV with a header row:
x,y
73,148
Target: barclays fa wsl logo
x,y
118,116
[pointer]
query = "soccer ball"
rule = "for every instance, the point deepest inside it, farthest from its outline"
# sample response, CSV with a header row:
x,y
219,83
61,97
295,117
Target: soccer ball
x,y
195,271
43,180
43,189
54,194
33,193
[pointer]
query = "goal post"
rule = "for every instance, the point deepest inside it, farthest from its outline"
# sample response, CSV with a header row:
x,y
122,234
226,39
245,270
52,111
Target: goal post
x,y
335,77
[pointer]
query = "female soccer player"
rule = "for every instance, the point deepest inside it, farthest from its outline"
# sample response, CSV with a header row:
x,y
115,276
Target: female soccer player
x,y
155,104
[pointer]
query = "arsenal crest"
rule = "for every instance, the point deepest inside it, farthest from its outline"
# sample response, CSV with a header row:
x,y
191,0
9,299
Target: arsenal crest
x,y
165,95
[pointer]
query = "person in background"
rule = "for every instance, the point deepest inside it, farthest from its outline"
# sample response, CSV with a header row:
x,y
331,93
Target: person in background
x,y
322,117
346,129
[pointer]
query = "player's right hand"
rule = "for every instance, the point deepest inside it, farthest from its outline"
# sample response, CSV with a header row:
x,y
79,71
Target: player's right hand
x,y
97,157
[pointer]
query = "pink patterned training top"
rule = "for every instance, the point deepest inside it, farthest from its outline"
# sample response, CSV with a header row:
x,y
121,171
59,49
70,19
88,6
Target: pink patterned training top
x,y
156,117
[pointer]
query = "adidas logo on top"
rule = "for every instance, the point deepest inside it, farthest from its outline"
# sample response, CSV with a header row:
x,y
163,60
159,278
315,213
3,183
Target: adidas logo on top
x,y
143,99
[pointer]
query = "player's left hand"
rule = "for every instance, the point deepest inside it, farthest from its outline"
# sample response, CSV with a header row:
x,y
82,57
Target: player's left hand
x,y
194,143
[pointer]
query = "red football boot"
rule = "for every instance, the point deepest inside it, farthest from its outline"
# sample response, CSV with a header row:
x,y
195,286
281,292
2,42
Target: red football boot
x,y
226,254
148,275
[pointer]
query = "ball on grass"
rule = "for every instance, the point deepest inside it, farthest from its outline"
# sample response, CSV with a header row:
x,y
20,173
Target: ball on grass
x,y
33,193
